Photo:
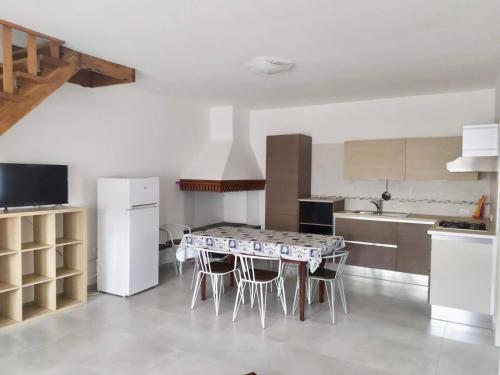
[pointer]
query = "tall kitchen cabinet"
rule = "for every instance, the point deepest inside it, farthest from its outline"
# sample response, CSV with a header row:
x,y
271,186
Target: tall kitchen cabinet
x,y
288,178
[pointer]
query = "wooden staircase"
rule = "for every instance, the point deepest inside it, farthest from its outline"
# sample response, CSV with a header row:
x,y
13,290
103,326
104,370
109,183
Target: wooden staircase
x,y
28,75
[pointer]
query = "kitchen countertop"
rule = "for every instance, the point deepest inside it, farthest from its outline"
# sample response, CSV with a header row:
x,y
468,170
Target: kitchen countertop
x,y
428,220
411,218
322,198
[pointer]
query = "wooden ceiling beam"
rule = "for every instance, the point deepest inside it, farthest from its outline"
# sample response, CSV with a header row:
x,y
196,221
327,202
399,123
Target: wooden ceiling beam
x,y
97,72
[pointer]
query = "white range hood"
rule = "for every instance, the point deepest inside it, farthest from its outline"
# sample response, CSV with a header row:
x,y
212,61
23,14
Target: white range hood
x,y
479,150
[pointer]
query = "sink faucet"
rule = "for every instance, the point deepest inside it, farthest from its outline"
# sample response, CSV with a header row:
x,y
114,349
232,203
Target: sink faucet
x,y
378,205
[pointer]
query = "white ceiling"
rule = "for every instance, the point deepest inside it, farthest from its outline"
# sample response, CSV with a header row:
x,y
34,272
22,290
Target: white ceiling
x,y
344,50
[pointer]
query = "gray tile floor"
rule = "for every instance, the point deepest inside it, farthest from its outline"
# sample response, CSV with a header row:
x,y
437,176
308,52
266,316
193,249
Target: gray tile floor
x,y
387,331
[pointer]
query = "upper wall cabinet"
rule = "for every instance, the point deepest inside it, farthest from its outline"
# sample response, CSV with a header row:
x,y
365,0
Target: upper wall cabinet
x,y
375,160
400,159
480,140
426,159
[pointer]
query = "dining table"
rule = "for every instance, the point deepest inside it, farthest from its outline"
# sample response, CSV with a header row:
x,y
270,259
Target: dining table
x,y
304,249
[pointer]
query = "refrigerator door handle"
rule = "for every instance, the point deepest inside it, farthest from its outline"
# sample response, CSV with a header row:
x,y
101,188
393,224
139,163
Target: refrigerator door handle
x,y
142,206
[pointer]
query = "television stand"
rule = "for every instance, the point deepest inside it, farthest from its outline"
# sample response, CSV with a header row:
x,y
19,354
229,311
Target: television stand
x,y
43,262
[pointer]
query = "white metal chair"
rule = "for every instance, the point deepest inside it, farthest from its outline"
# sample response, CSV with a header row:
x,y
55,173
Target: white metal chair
x,y
216,257
258,280
332,277
174,233
210,266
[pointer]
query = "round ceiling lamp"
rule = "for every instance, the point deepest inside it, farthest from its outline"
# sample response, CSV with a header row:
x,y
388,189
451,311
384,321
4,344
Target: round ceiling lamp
x,y
267,65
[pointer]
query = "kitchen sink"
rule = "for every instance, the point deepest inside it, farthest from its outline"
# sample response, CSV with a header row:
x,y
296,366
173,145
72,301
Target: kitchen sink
x,y
392,214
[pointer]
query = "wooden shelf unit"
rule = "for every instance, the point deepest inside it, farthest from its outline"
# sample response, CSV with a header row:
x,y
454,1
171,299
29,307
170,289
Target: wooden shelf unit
x,y
43,262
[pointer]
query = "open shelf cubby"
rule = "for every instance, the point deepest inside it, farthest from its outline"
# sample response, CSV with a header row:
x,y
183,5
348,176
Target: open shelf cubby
x,y
37,232
38,299
43,262
38,266
9,272
69,260
10,235
69,228
10,313
69,291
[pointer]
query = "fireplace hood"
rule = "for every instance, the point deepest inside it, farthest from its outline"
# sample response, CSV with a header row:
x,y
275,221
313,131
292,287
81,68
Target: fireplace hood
x,y
227,162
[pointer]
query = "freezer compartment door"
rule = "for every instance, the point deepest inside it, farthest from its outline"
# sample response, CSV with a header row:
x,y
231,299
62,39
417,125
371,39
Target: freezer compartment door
x,y
144,192
144,254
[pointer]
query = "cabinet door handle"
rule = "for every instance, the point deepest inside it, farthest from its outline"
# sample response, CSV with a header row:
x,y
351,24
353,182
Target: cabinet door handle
x,y
372,244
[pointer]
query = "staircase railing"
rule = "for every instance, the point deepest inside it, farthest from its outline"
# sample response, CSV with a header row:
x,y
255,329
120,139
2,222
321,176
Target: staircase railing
x,y
8,78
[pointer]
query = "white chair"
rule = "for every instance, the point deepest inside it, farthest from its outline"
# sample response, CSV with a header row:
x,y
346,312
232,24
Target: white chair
x,y
210,266
328,276
174,234
258,280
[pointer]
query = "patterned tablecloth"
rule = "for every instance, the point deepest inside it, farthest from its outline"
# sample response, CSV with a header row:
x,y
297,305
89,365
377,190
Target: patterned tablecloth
x,y
290,245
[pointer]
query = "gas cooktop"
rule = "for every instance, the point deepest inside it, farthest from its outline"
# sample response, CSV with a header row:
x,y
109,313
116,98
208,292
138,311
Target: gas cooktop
x,y
463,225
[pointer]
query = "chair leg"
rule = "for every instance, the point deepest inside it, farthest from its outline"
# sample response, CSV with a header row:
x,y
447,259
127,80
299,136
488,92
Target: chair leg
x,y
243,292
282,295
311,289
195,271
285,271
216,290
175,265
237,278
342,295
239,299
295,297
331,299
180,267
262,302
196,289
253,292
217,286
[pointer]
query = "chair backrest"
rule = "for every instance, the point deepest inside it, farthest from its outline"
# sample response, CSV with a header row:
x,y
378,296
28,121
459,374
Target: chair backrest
x,y
206,257
342,258
174,231
248,265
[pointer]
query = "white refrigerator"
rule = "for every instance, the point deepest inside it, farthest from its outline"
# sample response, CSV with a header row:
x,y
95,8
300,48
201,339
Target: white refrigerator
x,y
128,234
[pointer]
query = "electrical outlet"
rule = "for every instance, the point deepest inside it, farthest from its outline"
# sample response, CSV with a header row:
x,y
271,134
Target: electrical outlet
x,y
465,211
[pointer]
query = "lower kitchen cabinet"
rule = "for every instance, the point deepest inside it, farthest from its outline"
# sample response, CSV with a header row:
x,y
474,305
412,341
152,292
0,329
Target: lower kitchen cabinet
x,y
386,245
463,273
414,249
369,231
371,256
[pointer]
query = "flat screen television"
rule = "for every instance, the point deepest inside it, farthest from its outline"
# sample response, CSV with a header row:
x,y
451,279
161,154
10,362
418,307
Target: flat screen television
x,y
33,184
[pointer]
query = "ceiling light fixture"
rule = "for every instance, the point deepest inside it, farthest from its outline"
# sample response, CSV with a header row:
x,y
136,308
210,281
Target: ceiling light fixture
x,y
269,65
